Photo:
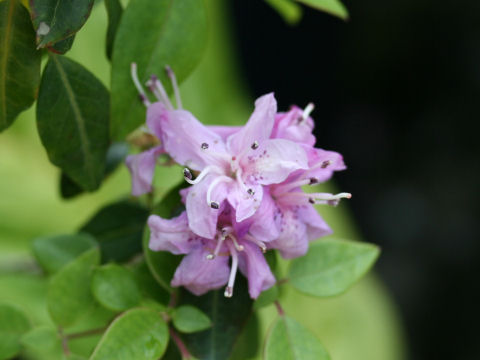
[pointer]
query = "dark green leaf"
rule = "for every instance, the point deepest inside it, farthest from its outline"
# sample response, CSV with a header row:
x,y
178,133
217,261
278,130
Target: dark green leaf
x,y
228,316
118,228
114,12
137,334
189,319
114,287
69,296
55,20
331,266
19,62
62,46
72,119
247,345
153,34
290,11
115,155
13,324
333,7
289,340
149,287
54,252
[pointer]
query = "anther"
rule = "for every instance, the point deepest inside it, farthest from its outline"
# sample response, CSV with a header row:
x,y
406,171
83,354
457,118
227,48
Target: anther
x,y
251,192
204,146
214,205
311,200
255,145
228,292
238,247
313,181
187,174
325,164
210,256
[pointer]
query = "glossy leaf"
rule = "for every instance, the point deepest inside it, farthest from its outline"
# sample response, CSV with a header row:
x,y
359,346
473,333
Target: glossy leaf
x,y
149,287
153,34
54,252
228,315
118,228
137,334
13,324
114,12
247,345
331,266
19,62
189,319
289,340
62,46
290,11
55,20
116,154
333,7
72,119
114,287
69,296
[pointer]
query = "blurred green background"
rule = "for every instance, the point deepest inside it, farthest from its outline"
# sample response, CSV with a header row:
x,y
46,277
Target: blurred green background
x,y
359,325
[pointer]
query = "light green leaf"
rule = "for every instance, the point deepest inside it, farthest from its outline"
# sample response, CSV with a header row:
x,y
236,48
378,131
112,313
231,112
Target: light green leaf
x,y
72,120
69,296
43,340
290,11
153,34
114,287
289,340
137,334
55,20
334,7
19,62
266,297
189,319
331,266
13,324
54,252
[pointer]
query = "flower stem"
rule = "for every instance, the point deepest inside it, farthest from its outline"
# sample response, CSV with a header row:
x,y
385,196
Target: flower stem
x,y
279,307
181,346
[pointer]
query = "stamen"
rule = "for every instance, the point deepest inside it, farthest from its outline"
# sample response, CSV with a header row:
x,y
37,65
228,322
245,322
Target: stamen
x,y
255,145
208,169
259,243
136,81
217,248
308,110
158,90
204,146
325,164
219,179
235,243
251,192
289,186
233,272
298,198
313,181
176,91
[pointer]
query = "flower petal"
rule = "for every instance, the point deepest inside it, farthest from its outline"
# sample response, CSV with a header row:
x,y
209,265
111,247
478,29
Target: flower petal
x,y
293,241
199,274
171,235
155,114
188,141
253,265
142,168
291,126
224,131
264,226
258,128
202,219
323,163
273,161
245,205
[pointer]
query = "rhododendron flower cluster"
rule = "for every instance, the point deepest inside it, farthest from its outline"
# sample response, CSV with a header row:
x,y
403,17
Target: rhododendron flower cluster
x,y
245,195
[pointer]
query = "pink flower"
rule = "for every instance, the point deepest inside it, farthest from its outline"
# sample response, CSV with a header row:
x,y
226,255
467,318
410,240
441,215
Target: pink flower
x,y
206,264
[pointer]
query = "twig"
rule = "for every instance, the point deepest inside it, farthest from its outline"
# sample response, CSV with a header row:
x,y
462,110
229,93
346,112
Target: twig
x,y
85,333
181,346
279,308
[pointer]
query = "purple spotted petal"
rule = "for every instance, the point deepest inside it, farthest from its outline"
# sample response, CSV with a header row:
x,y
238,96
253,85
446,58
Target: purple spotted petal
x,y
264,225
198,274
323,163
142,168
253,265
258,128
245,204
291,126
293,240
171,235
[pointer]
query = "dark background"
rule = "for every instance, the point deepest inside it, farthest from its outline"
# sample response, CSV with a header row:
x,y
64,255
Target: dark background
x,y
397,92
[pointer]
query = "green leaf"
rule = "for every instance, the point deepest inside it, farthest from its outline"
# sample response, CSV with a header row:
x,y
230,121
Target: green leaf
x,y
62,46
43,340
55,20
153,34
289,340
116,154
189,319
266,297
54,252
331,266
72,120
333,7
114,287
149,287
19,62
228,315
13,324
69,296
118,228
114,12
137,334
290,11
247,345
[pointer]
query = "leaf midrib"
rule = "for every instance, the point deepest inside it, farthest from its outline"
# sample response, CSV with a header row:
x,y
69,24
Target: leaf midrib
x,y
6,47
79,120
